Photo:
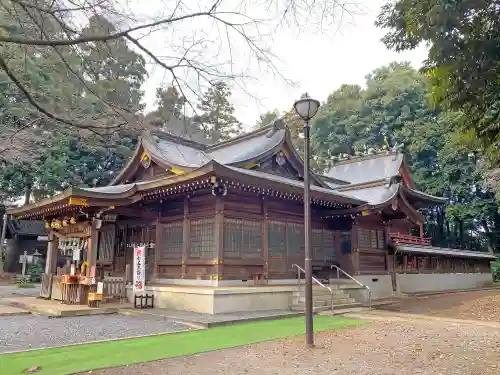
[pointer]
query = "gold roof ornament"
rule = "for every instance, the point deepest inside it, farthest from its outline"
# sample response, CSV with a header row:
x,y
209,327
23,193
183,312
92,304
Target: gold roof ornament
x,y
145,160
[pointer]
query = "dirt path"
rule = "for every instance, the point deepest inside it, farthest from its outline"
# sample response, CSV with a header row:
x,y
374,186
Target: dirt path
x,y
382,347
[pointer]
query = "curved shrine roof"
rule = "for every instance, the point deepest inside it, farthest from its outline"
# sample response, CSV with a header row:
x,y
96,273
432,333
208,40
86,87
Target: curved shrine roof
x,y
367,168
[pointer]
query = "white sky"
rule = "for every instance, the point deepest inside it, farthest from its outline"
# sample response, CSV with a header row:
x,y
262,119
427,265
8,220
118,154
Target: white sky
x,y
318,64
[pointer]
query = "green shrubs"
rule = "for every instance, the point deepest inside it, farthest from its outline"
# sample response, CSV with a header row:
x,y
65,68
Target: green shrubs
x,y
496,271
35,273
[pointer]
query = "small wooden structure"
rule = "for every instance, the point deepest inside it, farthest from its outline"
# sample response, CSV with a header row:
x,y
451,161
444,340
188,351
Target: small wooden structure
x,y
21,236
231,214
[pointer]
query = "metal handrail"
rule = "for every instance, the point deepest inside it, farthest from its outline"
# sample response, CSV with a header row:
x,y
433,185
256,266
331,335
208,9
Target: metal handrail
x,y
299,269
357,282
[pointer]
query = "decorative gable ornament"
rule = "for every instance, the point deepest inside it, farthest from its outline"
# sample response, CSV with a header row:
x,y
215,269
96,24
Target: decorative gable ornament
x,y
145,160
280,159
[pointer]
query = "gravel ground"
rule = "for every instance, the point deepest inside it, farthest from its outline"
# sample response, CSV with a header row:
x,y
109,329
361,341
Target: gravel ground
x,y
476,305
9,290
377,348
27,332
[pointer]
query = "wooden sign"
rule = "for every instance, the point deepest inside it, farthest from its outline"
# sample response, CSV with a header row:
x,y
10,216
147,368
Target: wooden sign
x,y
78,202
365,213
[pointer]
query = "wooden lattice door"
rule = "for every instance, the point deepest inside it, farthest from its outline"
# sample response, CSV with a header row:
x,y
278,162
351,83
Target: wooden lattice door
x,y
277,249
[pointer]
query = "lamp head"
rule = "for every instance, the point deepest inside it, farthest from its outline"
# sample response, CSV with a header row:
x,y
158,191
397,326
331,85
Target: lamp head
x,y
306,108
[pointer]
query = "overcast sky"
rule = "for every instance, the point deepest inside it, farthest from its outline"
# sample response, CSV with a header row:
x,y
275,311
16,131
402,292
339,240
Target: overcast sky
x,y
318,64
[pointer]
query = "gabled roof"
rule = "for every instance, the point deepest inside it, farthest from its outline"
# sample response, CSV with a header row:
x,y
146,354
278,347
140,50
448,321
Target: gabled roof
x,y
172,152
26,228
367,168
369,178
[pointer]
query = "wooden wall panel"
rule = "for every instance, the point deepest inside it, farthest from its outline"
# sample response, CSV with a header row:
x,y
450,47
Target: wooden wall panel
x,y
372,261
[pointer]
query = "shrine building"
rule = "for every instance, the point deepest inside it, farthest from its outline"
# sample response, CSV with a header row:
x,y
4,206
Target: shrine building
x,y
223,226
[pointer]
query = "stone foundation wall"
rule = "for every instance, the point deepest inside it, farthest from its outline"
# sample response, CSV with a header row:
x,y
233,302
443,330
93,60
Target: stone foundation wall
x,y
219,300
436,282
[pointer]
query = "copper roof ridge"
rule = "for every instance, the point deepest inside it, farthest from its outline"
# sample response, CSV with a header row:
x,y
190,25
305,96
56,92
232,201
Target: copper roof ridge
x,y
363,185
333,179
162,135
355,159
242,137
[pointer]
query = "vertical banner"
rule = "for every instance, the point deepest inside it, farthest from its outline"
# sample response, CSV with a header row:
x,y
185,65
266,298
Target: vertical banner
x,y
139,270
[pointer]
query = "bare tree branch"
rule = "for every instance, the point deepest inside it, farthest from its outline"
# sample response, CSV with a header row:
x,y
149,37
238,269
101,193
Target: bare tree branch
x,y
34,103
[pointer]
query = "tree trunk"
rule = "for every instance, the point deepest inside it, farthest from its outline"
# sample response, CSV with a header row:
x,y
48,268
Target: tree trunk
x,y
461,233
488,233
27,195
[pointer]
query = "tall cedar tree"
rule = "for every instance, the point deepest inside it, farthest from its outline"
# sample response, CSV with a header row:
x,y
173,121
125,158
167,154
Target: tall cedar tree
x,y
217,114
64,155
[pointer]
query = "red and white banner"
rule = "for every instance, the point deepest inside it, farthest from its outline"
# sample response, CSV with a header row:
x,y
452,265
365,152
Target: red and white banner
x,y
139,269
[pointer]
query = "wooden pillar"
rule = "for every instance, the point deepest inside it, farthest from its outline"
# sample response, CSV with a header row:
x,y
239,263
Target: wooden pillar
x,y
421,225
2,242
354,264
92,250
219,237
265,238
156,253
51,258
389,259
186,237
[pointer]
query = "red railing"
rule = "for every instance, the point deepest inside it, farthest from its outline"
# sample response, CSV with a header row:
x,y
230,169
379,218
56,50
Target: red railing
x,y
401,238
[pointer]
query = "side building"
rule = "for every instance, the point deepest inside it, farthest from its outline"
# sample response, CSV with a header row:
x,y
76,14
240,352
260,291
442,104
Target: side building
x,y
223,224
389,257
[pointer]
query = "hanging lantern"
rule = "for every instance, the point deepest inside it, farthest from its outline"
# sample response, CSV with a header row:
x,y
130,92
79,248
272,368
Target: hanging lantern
x,y
65,222
53,224
47,224
72,220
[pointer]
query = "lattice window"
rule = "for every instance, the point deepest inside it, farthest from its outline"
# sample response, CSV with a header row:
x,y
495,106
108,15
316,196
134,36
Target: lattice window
x,y
345,242
434,263
373,239
317,244
242,238
151,240
202,239
381,239
106,243
170,240
252,238
277,238
295,239
121,242
364,238
232,237
329,245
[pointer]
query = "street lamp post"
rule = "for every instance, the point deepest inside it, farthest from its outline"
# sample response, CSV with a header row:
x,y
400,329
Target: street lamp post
x,y
306,108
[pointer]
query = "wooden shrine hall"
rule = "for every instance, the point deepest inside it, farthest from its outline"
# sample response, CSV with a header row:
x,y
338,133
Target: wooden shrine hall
x,y
222,225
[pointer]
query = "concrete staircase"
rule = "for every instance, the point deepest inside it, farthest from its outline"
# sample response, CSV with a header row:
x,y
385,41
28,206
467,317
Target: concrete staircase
x,y
322,298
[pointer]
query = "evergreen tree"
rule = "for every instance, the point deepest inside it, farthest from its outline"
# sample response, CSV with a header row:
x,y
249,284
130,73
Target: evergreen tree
x,y
217,114
267,118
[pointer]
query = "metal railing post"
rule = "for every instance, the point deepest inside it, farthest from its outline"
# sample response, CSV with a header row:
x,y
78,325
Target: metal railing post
x,y
298,282
315,280
357,282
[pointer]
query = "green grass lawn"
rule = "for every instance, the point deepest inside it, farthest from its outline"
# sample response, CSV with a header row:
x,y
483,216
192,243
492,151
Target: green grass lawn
x,y
73,359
